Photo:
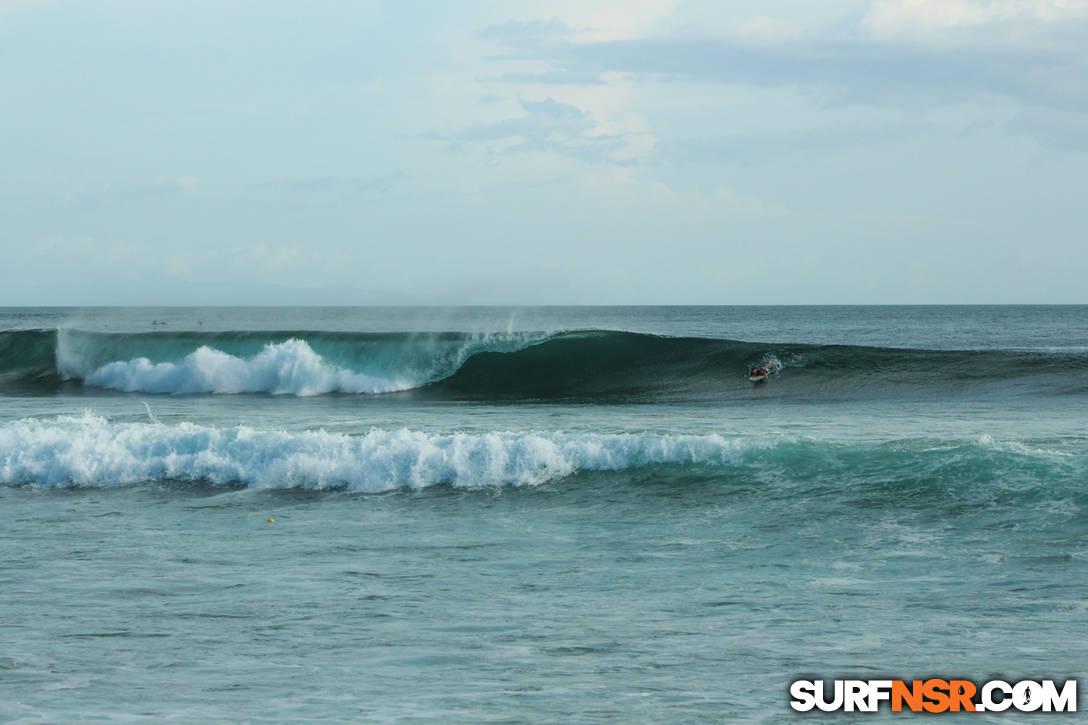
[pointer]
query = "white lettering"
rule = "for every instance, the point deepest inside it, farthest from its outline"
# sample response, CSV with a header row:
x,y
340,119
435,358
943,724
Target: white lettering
x,y
803,693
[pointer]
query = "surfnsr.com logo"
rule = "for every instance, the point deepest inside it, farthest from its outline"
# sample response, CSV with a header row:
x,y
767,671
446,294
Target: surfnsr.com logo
x,y
934,695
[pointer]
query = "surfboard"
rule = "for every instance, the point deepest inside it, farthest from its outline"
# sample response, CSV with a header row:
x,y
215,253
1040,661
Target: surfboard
x,y
758,378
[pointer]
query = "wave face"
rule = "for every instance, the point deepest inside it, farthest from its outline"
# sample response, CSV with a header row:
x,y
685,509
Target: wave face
x,y
91,451
581,365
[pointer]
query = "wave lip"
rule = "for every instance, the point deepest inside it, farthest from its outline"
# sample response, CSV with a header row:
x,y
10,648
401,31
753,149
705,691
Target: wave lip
x,y
91,451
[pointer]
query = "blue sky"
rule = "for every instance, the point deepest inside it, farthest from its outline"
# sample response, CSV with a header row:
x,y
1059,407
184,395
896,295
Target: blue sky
x,y
634,152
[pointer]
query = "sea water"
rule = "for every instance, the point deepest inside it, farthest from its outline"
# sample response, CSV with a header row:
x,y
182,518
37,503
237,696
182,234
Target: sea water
x,y
533,515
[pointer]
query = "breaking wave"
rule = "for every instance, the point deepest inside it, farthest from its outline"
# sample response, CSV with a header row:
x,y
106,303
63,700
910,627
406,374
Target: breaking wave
x,y
582,365
285,367
245,363
91,451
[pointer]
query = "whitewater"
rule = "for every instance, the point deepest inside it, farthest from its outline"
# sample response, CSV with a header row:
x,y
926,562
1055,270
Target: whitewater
x,y
498,514
286,367
290,366
90,451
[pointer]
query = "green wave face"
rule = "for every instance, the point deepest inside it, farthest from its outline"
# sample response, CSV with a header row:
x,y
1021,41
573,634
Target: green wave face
x,y
576,365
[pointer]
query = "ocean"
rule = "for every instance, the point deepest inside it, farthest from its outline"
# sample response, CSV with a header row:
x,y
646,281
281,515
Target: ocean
x,y
533,514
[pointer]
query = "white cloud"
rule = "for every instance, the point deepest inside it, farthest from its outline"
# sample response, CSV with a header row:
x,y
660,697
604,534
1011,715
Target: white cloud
x,y
899,51
564,128
634,140
898,18
605,20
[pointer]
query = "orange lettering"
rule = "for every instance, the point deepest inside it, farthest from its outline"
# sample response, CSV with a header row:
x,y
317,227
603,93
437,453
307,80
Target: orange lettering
x,y
937,692
912,695
961,692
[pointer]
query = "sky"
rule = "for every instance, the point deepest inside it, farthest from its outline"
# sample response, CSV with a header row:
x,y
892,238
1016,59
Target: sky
x,y
561,152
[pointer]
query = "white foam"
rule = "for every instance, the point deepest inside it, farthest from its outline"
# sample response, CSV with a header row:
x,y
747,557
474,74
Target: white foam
x,y
91,451
289,367
1015,446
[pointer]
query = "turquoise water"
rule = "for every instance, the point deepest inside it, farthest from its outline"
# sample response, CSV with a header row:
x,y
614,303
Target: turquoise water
x,y
533,515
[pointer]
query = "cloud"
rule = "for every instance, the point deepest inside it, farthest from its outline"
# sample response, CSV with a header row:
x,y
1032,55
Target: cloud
x,y
562,128
522,33
594,20
908,17
900,51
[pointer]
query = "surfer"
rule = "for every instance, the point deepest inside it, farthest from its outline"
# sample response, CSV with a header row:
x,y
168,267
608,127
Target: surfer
x,y
760,374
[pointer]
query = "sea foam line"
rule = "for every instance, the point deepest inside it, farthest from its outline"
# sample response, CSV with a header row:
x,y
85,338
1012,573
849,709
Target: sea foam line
x,y
92,451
